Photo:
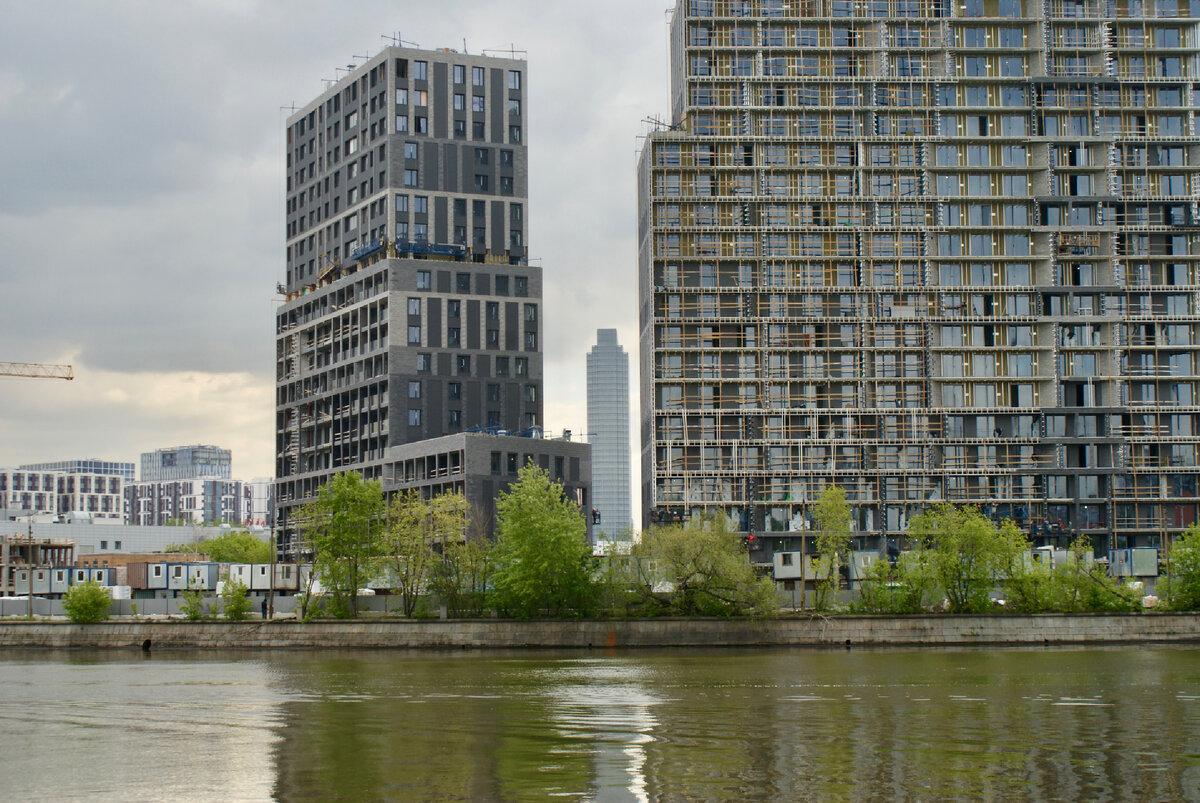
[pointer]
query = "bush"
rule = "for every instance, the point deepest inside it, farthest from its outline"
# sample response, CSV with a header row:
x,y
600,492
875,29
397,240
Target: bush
x,y
234,600
192,606
87,603
907,587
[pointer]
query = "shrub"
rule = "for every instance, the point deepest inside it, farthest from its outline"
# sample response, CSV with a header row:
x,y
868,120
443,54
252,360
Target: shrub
x,y
234,600
87,603
192,606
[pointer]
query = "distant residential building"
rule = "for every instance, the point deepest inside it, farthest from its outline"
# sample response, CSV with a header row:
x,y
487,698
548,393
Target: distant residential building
x,y
97,496
126,471
482,466
262,502
28,492
187,463
202,501
608,433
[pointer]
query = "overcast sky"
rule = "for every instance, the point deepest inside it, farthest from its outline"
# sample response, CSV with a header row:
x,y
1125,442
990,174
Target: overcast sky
x,y
141,199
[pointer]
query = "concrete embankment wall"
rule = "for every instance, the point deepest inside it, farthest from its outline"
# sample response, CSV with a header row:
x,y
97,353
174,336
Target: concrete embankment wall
x,y
940,630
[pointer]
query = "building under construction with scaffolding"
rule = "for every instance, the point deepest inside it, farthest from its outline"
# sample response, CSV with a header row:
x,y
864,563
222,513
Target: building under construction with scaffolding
x,y
411,310
927,250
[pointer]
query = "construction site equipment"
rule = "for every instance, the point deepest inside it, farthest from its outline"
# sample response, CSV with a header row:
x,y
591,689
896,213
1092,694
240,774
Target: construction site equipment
x,y
36,370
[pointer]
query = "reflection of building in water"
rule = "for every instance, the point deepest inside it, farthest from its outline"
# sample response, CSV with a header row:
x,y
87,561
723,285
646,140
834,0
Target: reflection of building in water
x,y
603,705
779,724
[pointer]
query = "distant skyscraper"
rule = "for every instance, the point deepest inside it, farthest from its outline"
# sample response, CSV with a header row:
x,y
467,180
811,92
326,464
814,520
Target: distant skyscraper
x,y
608,432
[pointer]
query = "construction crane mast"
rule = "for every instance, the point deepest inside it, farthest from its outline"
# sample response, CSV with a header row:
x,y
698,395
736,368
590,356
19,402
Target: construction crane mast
x,y
36,370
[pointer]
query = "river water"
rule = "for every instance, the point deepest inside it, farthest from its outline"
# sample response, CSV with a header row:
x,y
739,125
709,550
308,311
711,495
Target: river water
x,y
781,724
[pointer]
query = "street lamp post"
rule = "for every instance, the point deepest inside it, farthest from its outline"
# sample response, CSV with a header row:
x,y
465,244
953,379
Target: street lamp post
x,y
30,556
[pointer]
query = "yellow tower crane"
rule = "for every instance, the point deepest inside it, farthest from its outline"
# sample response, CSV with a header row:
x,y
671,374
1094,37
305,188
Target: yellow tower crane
x,y
36,370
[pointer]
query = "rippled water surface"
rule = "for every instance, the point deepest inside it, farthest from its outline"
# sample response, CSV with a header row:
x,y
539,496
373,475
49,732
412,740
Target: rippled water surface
x,y
1121,724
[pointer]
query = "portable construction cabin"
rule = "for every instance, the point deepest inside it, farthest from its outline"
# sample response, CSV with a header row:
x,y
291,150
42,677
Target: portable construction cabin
x,y
79,576
240,572
287,577
260,577
103,576
202,576
60,580
177,576
41,581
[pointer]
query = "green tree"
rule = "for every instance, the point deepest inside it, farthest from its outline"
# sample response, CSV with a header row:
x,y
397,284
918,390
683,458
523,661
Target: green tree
x,y
234,600
542,556
346,534
1087,585
87,603
969,554
907,587
238,546
416,529
832,515
462,574
700,569
1180,590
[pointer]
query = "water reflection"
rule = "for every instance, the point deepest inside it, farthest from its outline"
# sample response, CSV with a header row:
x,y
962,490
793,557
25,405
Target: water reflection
x,y
678,725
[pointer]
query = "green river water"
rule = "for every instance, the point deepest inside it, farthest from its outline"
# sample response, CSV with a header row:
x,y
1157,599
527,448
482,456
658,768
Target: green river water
x,y
778,724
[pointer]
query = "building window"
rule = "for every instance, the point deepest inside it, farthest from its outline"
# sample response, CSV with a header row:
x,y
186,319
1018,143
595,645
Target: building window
x,y
501,285
453,336
401,97
424,361
522,366
512,463
481,156
493,339
460,129
414,306
414,418
414,335
402,204
522,287
460,102
421,71
477,103
460,74
410,150
531,341
420,204
506,158
477,76
422,280
531,393
410,178
454,390
421,125
462,281
493,393
464,364
495,462
477,130
502,366
481,182
531,313
453,308
514,80
514,133
414,390
401,123
454,418
506,185
514,108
